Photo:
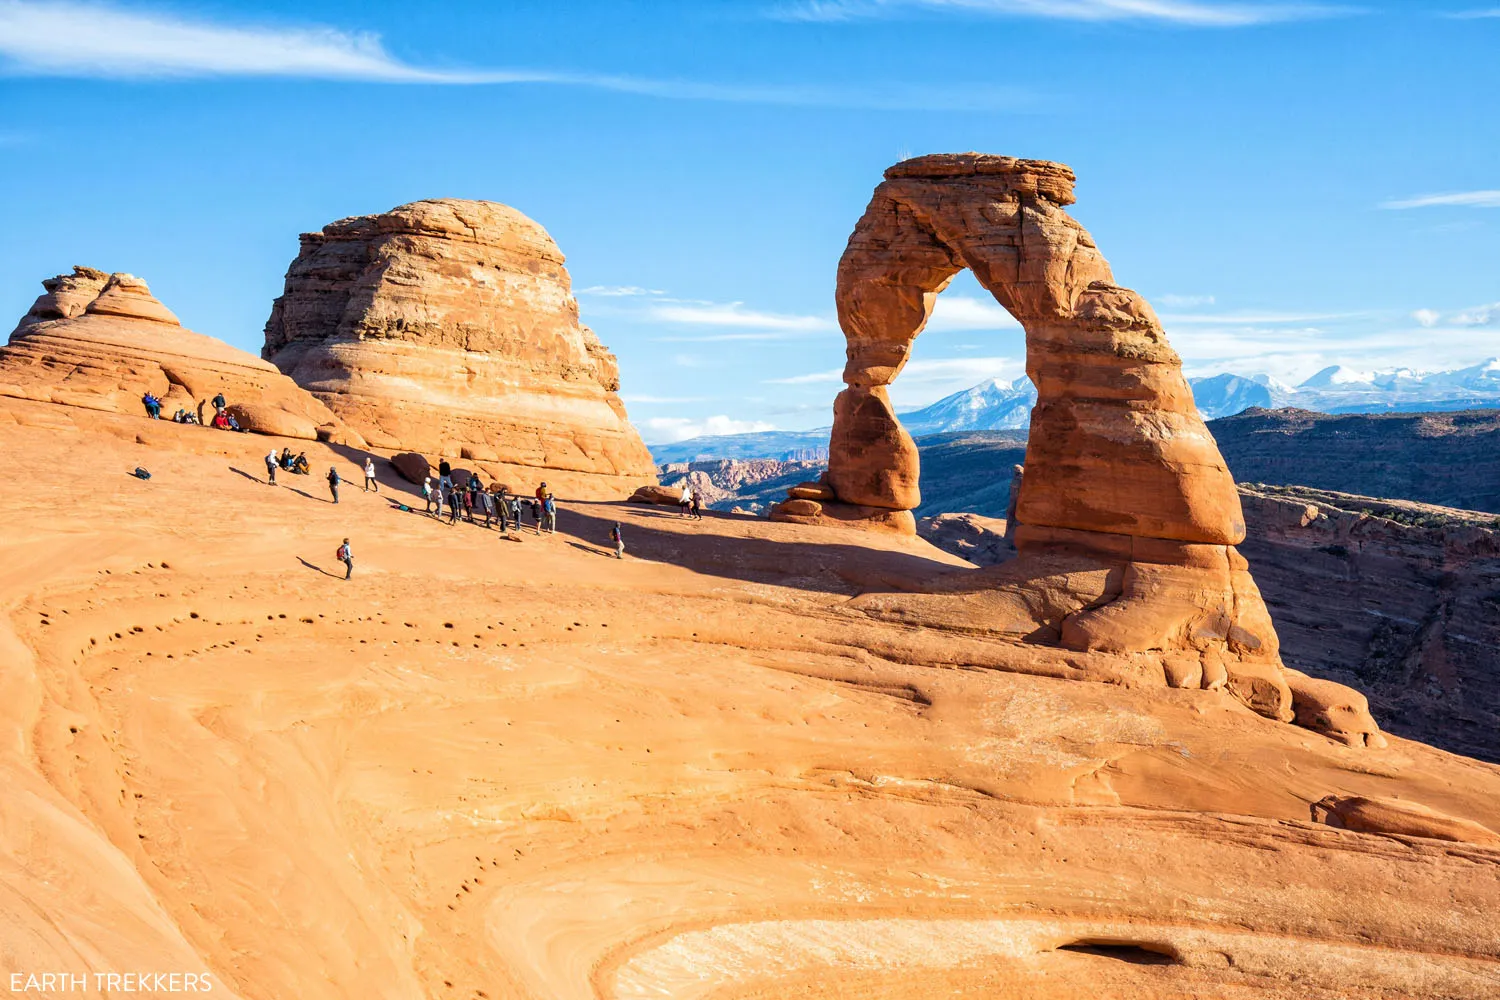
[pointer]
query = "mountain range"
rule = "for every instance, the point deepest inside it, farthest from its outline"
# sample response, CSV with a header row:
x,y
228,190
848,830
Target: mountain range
x,y
996,404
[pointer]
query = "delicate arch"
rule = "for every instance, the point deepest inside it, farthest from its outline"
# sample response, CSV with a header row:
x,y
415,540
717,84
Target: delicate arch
x,y
1116,444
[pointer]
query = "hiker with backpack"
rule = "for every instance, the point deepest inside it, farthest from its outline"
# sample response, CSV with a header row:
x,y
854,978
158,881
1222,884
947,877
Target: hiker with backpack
x,y
549,514
619,540
333,482
431,496
271,463
346,556
152,405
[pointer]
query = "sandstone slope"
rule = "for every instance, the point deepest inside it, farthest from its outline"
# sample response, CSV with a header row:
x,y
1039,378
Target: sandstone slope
x,y
100,341
448,328
501,769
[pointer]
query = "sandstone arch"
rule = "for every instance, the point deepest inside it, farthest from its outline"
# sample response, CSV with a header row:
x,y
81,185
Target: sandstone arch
x,y
1129,517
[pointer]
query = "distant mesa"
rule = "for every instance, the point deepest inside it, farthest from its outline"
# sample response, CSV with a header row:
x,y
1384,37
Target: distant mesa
x,y
447,328
1127,518
100,341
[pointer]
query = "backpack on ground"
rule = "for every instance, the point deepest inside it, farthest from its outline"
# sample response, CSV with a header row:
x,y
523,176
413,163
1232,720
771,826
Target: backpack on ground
x,y
141,473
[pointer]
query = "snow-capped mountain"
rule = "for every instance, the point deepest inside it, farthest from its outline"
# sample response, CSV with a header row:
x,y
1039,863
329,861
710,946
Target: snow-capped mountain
x,y
989,406
995,405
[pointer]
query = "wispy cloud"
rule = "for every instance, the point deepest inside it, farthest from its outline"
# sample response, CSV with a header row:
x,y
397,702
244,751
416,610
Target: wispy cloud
x,y
81,39
1457,199
1192,13
647,400
618,291
962,312
1479,316
665,430
1427,317
965,370
734,314
1470,15
1184,301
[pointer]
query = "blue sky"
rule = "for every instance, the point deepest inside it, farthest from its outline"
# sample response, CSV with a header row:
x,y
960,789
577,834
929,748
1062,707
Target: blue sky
x,y
1291,184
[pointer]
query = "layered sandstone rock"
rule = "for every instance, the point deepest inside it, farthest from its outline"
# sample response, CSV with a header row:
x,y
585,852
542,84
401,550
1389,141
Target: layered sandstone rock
x,y
1128,519
101,341
447,327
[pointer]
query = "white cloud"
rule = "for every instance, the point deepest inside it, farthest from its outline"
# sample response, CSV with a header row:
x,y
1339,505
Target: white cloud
x,y
97,39
1251,318
665,430
618,291
1458,199
1469,15
961,312
1195,13
1427,317
833,375
647,400
734,314
1185,301
1479,316
720,338
965,370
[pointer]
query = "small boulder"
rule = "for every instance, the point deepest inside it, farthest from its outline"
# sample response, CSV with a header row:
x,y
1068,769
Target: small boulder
x,y
267,418
665,495
811,491
800,508
412,467
1336,711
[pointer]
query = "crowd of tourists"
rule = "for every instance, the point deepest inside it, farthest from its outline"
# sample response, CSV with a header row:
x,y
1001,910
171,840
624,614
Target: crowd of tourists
x,y
222,419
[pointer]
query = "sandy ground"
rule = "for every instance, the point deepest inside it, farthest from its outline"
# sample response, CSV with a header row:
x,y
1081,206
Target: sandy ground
x,y
495,768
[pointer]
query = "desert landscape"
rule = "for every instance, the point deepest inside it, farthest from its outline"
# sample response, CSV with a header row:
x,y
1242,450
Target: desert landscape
x,y
819,753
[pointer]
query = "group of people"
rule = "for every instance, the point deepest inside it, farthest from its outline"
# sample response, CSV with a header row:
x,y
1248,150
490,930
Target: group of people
x,y
470,499
222,419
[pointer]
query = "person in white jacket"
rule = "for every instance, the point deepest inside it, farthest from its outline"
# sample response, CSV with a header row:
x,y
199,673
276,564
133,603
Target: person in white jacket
x,y
271,461
370,483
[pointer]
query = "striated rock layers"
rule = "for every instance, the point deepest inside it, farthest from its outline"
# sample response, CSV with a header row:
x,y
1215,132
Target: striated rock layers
x,y
447,327
1129,517
101,341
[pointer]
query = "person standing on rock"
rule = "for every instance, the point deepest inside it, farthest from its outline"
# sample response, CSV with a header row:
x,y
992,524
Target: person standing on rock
x,y
685,502
697,505
619,540
152,405
549,513
515,513
453,502
370,483
333,482
445,473
271,467
346,556
429,495
219,402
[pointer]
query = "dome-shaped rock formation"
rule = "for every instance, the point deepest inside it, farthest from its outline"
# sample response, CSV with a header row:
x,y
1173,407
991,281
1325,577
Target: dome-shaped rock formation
x,y
100,341
1128,517
448,328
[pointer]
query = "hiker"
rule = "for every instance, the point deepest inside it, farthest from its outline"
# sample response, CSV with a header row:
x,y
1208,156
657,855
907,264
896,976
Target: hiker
x,y
219,402
466,495
536,515
502,508
152,405
453,502
445,473
685,502
221,421
346,556
488,503
429,495
619,540
333,482
549,513
515,513
232,423
370,483
541,492
271,467
286,459
697,505
301,466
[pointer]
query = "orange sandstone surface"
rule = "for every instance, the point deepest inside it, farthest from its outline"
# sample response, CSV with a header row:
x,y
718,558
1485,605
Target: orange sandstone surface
x,y
488,768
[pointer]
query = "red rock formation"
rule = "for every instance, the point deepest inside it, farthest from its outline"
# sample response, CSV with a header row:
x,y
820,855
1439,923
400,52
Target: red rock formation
x,y
1129,516
101,341
447,327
